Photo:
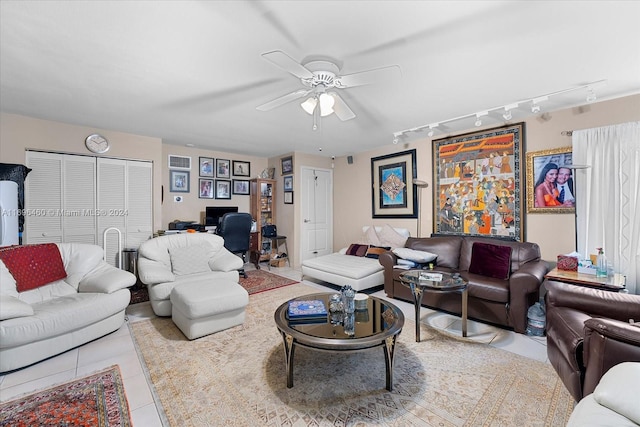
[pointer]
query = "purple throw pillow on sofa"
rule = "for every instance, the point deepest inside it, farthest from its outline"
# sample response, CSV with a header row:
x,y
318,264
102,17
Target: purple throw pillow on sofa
x,y
356,249
490,260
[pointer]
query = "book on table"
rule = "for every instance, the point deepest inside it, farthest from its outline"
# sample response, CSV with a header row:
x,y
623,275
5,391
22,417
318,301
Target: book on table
x,y
307,309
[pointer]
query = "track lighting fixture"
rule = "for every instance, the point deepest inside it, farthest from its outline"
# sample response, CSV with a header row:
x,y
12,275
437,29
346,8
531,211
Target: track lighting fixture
x,y
478,115
507,109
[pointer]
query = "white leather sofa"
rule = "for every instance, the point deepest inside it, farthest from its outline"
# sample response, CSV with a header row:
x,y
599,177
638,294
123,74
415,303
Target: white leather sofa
x,y
614,402
87,304
358,272
166,262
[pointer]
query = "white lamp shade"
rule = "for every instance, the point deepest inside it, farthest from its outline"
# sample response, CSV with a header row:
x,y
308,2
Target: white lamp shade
x,y
326,104
309,105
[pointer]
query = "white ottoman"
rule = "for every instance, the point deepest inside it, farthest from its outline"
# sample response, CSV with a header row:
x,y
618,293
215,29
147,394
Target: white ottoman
x,y
200,309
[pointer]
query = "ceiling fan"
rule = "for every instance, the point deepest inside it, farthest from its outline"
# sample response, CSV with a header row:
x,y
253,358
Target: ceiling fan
x,y
321,79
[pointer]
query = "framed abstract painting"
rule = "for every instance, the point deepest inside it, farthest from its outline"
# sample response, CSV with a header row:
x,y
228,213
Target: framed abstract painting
x,y
393,193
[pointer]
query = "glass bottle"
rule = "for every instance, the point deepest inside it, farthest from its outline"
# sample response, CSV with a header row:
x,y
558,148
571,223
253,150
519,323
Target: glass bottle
x,y
601,264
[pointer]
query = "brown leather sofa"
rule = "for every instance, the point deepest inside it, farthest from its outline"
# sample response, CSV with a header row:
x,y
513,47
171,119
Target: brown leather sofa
x,y
588,332
496,301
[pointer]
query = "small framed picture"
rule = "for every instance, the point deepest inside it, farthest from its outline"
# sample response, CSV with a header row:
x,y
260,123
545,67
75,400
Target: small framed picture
x,y
206,166
240,186
288,198
223,168
206,189
223,189
178,181
288,183
287,165
241,168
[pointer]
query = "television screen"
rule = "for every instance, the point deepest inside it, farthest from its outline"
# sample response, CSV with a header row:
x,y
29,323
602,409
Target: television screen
x,y
213,214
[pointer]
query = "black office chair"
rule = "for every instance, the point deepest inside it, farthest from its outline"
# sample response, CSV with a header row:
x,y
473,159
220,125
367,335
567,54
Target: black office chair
x,y
235,229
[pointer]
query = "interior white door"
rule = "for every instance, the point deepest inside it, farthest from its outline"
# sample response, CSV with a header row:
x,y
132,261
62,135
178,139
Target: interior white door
x,y
317,212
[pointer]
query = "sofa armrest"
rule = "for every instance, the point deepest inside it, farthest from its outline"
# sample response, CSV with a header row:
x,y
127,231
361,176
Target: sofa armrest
x,y
106,279
154,272
11,307
223,260
607,343
388,259
524,290
595,302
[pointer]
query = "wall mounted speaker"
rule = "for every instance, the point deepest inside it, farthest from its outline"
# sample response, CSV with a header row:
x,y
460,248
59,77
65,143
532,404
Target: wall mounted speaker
x,y
350,160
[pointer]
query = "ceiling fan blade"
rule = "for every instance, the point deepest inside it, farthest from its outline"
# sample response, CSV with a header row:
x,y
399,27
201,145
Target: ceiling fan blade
x,y
341,108
368,77
288,64
284,99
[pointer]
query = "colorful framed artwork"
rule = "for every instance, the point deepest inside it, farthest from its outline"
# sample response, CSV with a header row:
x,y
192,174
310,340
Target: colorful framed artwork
x,y
288,183
287,165
478,183
178,181
223,189
550,186
288,198
393,193
206,166
241,186
241,168
205,188
223,168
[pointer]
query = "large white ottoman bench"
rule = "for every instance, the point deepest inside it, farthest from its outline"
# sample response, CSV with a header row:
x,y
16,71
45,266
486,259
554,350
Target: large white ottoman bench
x,y
200,309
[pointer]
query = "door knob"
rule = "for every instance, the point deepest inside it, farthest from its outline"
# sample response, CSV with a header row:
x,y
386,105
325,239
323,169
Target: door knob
x,y
307,220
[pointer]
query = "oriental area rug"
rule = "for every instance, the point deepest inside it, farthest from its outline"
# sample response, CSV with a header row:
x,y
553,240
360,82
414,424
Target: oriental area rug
x,y
237,377
95,400
256,281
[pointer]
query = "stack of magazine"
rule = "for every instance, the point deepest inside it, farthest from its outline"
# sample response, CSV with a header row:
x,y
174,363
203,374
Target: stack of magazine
x,y
307,311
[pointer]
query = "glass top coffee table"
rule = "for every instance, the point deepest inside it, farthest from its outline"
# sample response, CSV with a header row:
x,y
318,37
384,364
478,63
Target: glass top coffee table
x,y
420,280
376,326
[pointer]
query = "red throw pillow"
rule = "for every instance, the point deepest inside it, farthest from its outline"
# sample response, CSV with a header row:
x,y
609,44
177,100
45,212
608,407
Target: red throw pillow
x,y
33,266
490,260
357,250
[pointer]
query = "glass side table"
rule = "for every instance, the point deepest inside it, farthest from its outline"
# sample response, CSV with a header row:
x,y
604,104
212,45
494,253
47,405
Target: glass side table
x,y
420,280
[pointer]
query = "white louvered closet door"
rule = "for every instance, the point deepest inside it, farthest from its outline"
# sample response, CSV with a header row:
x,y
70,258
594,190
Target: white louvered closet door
x,y
79,199
139,203
43,198
111,205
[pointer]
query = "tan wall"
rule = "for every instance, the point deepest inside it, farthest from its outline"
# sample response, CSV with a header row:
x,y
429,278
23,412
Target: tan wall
x,y
555,233
20,133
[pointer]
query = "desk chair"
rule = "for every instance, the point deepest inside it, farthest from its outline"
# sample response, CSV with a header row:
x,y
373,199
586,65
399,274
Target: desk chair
x,y
235,229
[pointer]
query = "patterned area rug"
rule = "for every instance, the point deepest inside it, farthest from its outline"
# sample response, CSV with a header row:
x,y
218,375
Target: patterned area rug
x,y
95,400
237,378
256,281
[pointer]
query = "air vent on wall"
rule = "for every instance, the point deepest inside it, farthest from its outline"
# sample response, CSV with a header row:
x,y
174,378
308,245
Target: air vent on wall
x,y
179,162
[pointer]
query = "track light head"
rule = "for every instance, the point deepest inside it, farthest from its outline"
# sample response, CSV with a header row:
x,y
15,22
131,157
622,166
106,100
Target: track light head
x,y
591,95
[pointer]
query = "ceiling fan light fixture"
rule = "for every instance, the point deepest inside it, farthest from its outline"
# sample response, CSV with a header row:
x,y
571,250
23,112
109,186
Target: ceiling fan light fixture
x,y
326,104
309,105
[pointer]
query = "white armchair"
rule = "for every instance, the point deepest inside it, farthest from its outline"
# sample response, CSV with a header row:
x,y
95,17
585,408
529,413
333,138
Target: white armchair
x,y
166,262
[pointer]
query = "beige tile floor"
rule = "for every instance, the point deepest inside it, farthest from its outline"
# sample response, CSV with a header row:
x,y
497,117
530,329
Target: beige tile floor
x,y
117,348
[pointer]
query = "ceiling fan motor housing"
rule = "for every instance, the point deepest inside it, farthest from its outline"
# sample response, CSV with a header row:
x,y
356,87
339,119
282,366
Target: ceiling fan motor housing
x,y
324,73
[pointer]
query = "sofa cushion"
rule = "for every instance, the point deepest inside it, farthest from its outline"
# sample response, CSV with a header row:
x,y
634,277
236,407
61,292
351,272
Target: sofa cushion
x,y
390,237
190,259
414,255
371,237
12,307
33,265
356,249
447,249
490,260
375,251
348,266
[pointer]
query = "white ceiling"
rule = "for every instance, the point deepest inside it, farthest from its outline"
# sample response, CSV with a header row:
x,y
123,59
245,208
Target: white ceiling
x,y
191,72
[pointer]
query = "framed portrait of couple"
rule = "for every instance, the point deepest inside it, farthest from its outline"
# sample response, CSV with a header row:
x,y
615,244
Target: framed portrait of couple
x,y
550,181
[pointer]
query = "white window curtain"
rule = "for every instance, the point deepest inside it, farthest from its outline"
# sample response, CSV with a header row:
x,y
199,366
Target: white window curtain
x,y
608,196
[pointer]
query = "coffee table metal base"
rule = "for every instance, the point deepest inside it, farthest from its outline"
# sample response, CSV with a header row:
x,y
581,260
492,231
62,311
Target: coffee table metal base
x,y
418,291
388,345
